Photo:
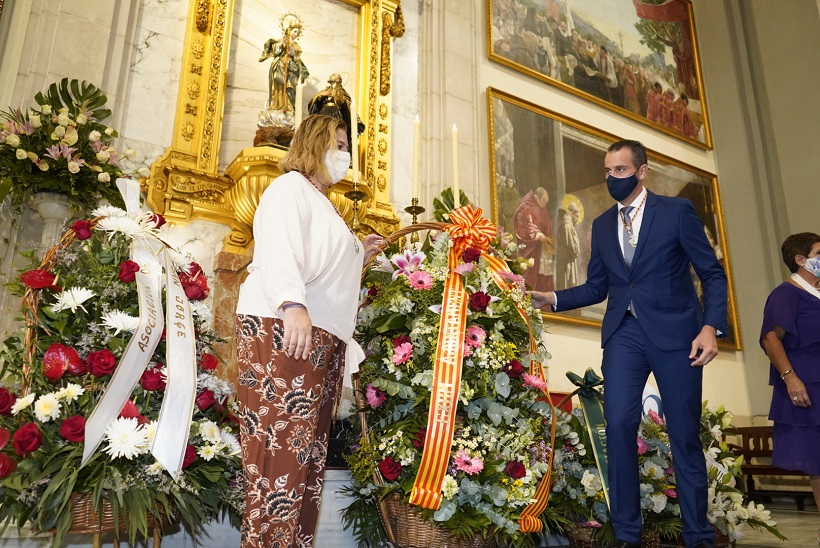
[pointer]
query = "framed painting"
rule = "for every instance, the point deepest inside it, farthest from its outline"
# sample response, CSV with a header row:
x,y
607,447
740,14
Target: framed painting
x,y
636,57
548,170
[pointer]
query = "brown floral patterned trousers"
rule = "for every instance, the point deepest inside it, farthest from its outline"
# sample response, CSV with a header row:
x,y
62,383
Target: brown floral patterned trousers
x,y
286,409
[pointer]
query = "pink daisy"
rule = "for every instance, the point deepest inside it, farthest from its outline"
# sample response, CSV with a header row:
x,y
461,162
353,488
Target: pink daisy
x,y
514,278
403,352
464,268
420,280
466,463
671,493
655,417
474,336
534,381
642,448
375,397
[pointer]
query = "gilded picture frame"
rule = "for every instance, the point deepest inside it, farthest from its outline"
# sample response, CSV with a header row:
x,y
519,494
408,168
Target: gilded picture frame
x,y
531,147
638,58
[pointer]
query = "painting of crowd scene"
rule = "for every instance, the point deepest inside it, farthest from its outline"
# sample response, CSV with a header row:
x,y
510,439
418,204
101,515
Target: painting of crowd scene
x,y
548,185
637,57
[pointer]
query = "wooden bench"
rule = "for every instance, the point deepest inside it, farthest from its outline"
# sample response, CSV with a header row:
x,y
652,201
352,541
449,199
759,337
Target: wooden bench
x,y
755,444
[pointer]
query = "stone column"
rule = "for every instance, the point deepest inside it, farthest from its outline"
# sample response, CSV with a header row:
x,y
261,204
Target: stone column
x,y
230,270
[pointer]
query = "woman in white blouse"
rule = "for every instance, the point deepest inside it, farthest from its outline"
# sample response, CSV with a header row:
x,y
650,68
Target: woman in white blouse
x,y
294,328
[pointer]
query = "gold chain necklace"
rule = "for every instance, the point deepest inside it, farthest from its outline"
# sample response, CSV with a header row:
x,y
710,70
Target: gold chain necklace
x,y
633,238
336,209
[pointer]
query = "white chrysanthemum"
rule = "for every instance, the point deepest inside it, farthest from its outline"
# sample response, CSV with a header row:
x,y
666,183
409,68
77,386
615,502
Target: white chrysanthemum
x,y
72,298
231,443
120,321
150,431
207,452
154,469
209,431
449,487
108,211
126,438
22,403
128,226
202,311
71,392
47,407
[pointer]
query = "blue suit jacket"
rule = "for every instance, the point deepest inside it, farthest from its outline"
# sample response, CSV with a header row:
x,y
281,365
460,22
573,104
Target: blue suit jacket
x,y
659,284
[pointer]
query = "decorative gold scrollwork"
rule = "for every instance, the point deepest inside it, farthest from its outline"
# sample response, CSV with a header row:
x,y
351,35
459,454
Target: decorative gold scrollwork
x,y
203,13
391,28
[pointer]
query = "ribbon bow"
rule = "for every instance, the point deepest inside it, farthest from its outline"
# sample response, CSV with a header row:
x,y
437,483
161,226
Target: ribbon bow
x,y
470,229
586,385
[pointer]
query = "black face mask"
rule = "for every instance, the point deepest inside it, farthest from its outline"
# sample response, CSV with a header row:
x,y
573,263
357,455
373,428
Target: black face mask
x,y
621,187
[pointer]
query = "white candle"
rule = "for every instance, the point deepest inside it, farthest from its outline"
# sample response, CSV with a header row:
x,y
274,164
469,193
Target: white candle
x,y
416,137
297,116
456,194
354,138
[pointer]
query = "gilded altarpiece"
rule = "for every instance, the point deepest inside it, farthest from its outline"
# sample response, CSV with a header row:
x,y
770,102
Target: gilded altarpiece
x,y
186,183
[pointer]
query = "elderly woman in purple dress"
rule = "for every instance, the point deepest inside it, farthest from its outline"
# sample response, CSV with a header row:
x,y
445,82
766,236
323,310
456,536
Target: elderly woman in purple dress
x,y
791,338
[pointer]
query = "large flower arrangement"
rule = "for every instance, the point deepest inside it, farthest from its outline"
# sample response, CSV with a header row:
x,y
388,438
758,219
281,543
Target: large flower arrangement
x,y
62,146
501,447
578,491
87,312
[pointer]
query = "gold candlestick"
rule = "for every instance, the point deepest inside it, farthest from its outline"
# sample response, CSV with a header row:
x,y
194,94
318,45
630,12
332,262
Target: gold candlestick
x,y
355,196
415,210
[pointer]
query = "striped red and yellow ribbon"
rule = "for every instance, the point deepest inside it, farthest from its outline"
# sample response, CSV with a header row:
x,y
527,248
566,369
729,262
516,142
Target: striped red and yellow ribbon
x,y
468,229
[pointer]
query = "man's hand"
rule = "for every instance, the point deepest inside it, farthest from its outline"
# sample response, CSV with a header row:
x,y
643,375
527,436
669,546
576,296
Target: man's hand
x,y
704,344
541,299
298,333
372,245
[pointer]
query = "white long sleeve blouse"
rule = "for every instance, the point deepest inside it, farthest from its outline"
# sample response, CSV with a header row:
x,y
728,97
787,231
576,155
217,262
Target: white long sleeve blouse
x,y
304,253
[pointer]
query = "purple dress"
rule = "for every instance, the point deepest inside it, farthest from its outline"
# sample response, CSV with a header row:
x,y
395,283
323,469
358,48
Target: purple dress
x,y
796,429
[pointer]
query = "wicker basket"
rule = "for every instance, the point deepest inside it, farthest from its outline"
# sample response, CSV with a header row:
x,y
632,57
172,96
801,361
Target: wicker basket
x,y
84,519
407,528
584,537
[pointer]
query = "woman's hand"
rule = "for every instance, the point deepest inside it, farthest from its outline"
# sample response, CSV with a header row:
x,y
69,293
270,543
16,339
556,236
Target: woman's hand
x,y
373,244
298,333
797,390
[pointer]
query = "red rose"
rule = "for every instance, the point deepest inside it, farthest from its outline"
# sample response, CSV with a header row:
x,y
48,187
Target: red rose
x,y
128,271
194,282
5,436
59,358
37,279
153,379
82,229
418,439
129,411
514,369
7,465
372,291
7,400
158,219
205,399
73,429
471,255
400,340
190,456
101,363
479,301
390,469
515,469
27,439
208,362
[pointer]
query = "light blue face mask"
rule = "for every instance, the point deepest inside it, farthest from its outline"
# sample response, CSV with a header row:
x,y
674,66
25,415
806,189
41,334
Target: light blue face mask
x,y
812,266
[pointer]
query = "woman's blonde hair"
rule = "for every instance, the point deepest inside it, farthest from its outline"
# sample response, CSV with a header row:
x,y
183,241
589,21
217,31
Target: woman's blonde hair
x,y
314,137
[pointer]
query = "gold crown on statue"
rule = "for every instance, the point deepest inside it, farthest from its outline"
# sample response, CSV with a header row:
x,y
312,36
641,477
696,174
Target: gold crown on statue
x,y
290,21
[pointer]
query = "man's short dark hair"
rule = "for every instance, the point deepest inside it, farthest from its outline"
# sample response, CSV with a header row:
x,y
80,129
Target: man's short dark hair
x,y
797,244
637,148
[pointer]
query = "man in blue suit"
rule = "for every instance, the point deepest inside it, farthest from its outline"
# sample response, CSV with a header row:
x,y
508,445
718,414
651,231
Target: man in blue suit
x,y
641,251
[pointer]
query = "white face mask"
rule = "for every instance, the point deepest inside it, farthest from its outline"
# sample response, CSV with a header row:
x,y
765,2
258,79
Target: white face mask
x,y
812,266
337,162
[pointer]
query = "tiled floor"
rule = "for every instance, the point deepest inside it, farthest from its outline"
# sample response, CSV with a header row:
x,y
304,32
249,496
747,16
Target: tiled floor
x,y
800,527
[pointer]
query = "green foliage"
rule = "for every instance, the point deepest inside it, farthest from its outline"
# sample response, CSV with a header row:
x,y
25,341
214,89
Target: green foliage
x,y
444,204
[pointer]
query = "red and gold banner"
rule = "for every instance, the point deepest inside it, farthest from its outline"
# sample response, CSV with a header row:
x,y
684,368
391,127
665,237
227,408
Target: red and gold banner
x,y
468,229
